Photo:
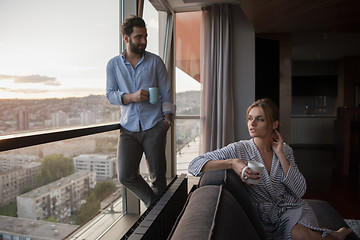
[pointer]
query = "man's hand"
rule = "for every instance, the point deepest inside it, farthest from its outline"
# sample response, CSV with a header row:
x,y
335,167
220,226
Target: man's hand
x,y
167,126
168,117
138,96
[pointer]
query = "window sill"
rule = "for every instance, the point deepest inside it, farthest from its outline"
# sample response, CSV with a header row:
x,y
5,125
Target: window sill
x,y
106,225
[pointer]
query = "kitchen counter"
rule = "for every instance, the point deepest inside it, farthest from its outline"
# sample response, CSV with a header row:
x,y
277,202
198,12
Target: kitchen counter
x,y
313,116
312,129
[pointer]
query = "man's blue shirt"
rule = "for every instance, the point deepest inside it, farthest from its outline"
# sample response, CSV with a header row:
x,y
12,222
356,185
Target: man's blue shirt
x,y
123,78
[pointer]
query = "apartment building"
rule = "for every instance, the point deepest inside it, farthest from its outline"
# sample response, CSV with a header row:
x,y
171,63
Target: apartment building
x,y
19,228
103,165
16,180
58,199
9,161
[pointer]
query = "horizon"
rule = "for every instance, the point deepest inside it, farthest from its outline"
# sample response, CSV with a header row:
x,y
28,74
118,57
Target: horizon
x,y
75,96
67,47
187,84
56,48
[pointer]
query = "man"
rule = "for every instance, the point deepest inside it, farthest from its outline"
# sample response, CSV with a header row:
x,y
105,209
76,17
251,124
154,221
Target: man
x,y
143,125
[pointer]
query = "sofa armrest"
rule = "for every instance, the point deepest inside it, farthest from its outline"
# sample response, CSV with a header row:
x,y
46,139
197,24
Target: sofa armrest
x,y
215,177
212,212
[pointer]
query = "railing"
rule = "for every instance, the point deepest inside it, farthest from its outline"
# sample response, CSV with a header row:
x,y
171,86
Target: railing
x,y
19,140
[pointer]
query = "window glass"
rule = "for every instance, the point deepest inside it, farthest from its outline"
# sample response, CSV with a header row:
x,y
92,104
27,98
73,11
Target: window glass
x,y
151,18
188,53
53,57
187,88
187,143
66,182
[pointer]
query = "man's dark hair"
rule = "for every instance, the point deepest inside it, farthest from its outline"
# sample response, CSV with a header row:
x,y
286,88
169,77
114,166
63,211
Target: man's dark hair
x,y
127,27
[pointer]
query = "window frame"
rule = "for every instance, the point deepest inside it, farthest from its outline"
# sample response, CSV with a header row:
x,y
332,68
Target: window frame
x,y
28,139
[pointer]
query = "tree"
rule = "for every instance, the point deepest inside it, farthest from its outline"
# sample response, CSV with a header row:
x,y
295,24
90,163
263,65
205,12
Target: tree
x,y
92,205
88,210
54,167
104,189
9,210
50,219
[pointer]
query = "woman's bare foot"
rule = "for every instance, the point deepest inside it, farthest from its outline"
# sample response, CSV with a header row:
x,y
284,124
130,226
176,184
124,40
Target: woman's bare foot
x,y
341,233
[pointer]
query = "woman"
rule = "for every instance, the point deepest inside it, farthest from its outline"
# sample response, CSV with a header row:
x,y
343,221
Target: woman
x,y
277,197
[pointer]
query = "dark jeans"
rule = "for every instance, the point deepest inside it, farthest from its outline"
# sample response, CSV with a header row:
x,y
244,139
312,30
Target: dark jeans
x,y
130,150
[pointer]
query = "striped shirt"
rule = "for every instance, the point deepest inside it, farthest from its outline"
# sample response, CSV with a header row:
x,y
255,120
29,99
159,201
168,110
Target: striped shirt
x,y
277,197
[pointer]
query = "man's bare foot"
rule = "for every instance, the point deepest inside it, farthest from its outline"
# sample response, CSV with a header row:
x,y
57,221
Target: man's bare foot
x,y
341,233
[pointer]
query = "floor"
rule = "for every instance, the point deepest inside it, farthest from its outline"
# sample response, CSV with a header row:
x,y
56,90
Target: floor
x,y
318,165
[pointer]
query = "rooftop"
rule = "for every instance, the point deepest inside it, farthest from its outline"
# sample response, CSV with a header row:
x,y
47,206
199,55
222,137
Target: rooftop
x,y
54,185
35,229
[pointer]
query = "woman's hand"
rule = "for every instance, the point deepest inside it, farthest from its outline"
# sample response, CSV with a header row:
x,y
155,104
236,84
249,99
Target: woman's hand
x,y
238,165
232,163
277,143
277,146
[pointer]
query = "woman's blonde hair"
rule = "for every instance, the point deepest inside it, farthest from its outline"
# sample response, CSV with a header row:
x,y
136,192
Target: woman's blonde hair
x,y
268,108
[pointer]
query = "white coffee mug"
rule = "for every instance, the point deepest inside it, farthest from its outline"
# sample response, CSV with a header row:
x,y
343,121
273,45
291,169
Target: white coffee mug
x,y
256,167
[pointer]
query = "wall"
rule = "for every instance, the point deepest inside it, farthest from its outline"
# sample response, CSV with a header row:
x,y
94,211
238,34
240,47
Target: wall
x,y
243,70
285,97
349,77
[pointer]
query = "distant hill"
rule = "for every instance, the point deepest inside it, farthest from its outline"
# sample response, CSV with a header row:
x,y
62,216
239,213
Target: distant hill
x,y
188,102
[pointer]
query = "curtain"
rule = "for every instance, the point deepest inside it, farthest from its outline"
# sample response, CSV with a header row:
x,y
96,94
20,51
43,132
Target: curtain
x,y
217,120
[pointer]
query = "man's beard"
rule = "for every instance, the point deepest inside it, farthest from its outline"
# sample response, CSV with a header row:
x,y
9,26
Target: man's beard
x,y
135,48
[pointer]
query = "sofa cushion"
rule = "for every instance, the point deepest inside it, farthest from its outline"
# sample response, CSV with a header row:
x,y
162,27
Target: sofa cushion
x,y
213,213
328,217
326,214
235,185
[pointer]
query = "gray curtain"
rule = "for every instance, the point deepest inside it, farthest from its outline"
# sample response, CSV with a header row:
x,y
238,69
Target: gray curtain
x,y
217,121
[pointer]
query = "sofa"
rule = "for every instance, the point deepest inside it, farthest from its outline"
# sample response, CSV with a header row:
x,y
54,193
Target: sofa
x,y
220,208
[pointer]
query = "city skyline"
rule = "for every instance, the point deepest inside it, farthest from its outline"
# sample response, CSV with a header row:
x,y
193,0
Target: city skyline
x,y
59,49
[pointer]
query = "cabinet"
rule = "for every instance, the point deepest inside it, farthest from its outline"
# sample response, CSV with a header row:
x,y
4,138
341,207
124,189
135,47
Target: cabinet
x,y
312,130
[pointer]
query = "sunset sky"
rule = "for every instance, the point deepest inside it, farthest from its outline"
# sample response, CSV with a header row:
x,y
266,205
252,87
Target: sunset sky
x,y
59,48
56,48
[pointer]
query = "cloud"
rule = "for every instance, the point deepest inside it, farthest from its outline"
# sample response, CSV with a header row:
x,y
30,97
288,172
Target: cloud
x,y
50,81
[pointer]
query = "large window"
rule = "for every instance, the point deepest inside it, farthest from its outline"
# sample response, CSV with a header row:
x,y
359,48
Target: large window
x,y
187,88
53,56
